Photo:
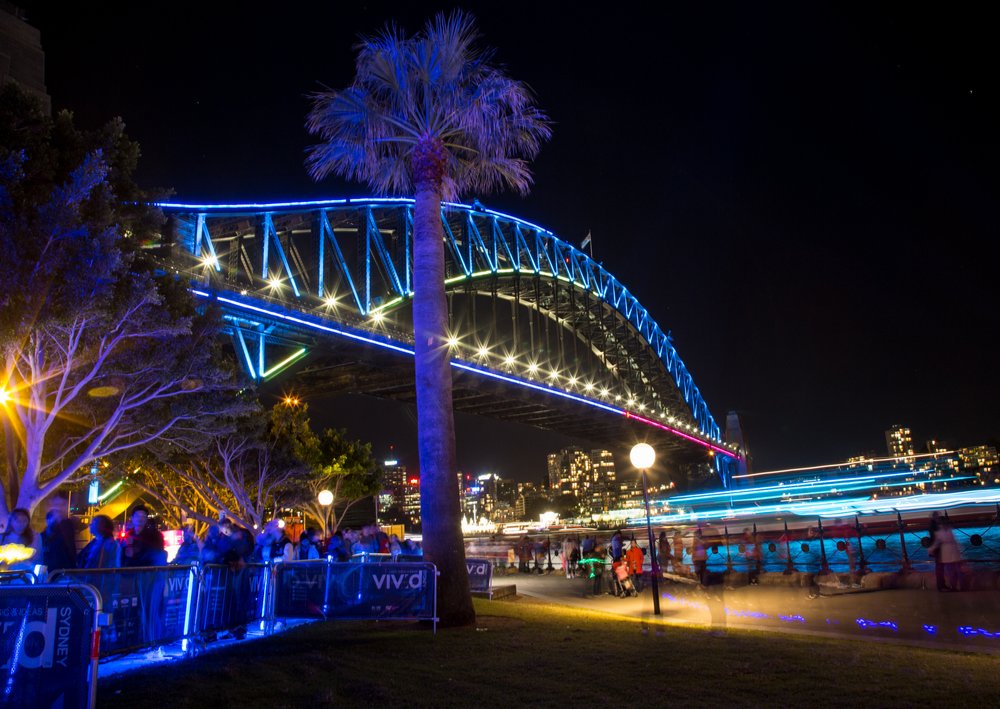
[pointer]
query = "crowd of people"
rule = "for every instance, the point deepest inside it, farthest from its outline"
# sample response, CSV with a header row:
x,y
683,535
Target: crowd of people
x,y
142,544
586,557
55,546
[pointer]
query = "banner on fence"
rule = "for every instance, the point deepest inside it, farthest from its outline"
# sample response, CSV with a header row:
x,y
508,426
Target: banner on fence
x,y
321,589
45,648
480,575
148,606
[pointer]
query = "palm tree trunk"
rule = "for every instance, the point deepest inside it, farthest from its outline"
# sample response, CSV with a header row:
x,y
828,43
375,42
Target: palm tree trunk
x,y
440,510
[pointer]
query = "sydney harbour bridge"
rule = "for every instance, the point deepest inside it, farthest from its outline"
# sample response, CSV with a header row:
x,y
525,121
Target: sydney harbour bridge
x,y
540,333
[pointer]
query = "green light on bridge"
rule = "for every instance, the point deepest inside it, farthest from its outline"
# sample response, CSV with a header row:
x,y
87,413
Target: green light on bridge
x,y
283,364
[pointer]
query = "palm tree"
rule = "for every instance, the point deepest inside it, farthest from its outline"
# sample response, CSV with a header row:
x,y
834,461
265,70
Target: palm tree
x,y
430,115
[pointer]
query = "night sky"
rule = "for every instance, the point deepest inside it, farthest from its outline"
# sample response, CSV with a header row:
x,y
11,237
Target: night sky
x,y
805,197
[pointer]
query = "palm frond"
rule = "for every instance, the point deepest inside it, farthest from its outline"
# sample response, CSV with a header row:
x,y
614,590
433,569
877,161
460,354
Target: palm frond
x,y
436,88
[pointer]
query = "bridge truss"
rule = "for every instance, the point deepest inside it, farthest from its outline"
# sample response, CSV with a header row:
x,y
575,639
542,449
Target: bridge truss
x,y
324,288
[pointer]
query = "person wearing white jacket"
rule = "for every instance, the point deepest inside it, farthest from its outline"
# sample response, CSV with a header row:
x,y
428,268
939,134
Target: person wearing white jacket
x,y
945,550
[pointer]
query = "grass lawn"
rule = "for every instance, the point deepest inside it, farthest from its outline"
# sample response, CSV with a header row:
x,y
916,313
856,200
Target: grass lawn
x,y
528,653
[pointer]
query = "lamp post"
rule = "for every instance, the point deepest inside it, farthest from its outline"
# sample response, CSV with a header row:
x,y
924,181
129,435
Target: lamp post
x,y
325,498
642,456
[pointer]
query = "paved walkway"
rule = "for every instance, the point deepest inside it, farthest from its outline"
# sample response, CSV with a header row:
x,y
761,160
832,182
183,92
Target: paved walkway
x,y
959,621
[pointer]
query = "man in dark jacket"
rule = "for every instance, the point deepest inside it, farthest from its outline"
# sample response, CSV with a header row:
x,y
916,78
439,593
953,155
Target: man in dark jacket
x,y
59,537
143,543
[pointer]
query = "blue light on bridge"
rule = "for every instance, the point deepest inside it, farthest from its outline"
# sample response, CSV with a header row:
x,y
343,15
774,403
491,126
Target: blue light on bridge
x,y
490,243
311,204
481,371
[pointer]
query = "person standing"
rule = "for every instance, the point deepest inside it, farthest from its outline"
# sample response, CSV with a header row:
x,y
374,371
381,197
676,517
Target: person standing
x,y
678,548
143,543
524,555
189,549
19,531
273,544
616,546
570,556
634,558
594,564
308,545
945,551
932,529
699,556
662,551
101,552
59,537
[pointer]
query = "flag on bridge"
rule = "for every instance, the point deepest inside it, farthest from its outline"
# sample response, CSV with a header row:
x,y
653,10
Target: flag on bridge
x,y
587,242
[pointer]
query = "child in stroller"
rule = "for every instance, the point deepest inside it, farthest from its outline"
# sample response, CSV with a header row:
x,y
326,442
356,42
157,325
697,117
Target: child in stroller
x,y
621,582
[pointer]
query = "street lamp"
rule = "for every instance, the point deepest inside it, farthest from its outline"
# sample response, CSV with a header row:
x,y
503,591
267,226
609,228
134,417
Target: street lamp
x,y
325,499
642,457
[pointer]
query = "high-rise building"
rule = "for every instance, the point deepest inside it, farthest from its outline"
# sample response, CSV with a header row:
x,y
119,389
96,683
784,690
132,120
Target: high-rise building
x,y
979,457
393,483
899,441
603,494
22,60
399,500
588,477
570,472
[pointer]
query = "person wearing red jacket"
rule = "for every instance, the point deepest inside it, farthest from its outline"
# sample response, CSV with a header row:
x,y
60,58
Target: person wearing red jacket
x,y
633,559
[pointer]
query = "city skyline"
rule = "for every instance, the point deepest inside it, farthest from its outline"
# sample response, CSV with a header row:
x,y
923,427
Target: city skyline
x,y
815,209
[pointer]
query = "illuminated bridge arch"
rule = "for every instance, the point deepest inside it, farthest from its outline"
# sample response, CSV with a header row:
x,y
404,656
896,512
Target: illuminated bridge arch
x,y
524,304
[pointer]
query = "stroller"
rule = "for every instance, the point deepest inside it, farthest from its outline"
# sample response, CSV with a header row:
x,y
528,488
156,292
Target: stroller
x,y
621,582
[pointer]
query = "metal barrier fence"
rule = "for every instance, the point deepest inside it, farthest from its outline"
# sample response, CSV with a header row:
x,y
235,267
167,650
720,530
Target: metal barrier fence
x,y
232,597
20,576
158,605
350,590
48,642
480,575
149,605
